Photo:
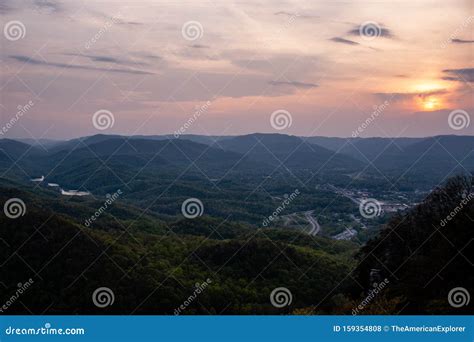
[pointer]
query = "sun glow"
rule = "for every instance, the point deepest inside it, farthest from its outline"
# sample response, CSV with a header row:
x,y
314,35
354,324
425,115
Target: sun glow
x,y
427,87
430,95
430,103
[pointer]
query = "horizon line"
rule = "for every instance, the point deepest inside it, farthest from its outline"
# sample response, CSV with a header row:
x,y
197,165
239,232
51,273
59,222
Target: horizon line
x,y
172,135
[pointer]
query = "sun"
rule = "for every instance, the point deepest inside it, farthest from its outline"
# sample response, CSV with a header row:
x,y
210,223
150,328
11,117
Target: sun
x,y
430,103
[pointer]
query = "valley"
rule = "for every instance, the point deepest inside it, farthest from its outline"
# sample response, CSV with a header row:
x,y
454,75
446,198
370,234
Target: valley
x,y
263,210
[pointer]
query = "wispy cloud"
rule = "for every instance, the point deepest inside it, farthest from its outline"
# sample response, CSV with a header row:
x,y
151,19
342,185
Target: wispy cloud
x,y
5,8
47,5
343,41
461,41
148,56
108,59
294,84
396,97
295,14
32,61
461,75
132,23
199,46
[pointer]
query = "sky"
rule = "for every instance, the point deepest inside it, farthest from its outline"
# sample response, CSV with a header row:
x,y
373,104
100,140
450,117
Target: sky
x,y
308,68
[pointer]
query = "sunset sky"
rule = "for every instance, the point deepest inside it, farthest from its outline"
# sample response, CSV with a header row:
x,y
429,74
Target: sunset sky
x,y
152,63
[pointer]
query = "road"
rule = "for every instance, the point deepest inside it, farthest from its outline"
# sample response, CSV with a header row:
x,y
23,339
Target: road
x,y
315,227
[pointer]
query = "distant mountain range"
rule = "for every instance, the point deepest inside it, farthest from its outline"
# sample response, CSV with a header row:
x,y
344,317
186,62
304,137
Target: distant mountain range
x,y
411,160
